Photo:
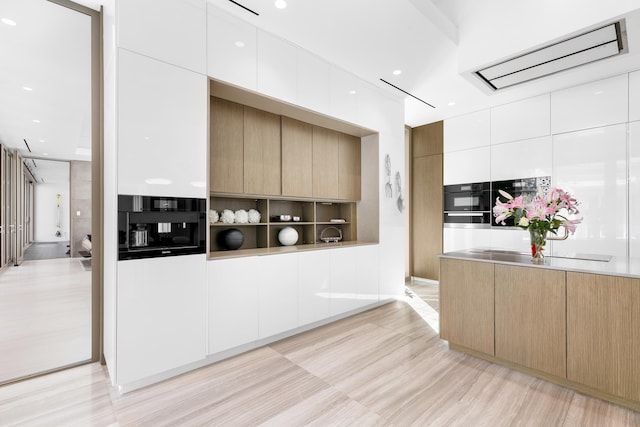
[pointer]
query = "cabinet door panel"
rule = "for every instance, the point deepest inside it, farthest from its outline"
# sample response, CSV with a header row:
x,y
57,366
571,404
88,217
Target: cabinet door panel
x,y
325,163
313,82
603,346
162,130
277,71
467,304
344,281
426,206
233,302
468,131
531,318
278,291
314,286
529,118
297,158
367,266
461,167
596,104
349,167
533,159
634,187
634,96
592,165
161,315
227,146
232,49
261,152
142,27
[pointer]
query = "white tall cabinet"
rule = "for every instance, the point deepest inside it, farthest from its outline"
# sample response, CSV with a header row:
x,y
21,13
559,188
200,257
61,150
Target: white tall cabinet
x,y
159,62
634,187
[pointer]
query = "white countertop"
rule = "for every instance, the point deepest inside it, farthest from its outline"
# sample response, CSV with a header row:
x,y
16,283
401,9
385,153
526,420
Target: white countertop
x,y
583,263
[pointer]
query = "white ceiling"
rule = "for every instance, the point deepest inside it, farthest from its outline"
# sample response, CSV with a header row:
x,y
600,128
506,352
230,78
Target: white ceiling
x,y
48,50
436,44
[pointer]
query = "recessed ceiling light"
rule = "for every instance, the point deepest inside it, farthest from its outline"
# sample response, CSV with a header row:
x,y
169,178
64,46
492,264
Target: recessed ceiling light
x,y
8,22
27,88
45,154
42,140
239,43
352,92
280,4
36,121
451,104
397,72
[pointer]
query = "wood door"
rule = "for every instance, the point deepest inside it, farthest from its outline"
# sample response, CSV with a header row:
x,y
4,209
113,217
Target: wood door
x,y
297,158
261,152
466,304
530,318
603,333
325,163
227,147
426,215
348,167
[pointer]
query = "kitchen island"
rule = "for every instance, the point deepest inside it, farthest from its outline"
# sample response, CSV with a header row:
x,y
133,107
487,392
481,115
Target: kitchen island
x,y
574,321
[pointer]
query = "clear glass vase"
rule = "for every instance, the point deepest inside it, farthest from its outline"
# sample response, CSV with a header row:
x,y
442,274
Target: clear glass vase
x,y
538,241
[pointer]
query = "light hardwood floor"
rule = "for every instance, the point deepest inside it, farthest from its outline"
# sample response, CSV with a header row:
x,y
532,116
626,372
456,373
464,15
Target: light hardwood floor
x,y
383,367
45,316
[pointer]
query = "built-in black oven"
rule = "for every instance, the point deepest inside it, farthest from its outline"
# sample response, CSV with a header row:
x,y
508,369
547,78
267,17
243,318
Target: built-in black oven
x,y
526,187
467,204
153,226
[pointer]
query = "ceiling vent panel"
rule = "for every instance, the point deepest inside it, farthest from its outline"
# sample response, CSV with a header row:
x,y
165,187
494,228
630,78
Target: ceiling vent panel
x,y
588,47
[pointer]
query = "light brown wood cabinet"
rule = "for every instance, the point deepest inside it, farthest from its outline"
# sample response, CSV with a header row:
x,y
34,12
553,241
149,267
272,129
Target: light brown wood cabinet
x,y
326,155
261,152
426,200
603,333
227,146
348,167
467,304
297,158
426,213
530,316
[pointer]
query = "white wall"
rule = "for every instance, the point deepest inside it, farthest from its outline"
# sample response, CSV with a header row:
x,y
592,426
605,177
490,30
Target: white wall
x,y
46,215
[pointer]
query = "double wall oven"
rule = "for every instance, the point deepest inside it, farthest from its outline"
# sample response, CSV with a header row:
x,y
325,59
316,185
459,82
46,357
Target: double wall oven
x,y
470,205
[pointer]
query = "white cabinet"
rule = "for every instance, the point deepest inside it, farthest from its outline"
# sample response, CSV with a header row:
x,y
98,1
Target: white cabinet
x,y
276,67
161,315
344,280
596,104
231,49
468,131
592,165
313,82
233,302
466,166
456,239
343,102
529,118
634,188
521,159
634,96
172,31
162,128
314,286
278,294
367,266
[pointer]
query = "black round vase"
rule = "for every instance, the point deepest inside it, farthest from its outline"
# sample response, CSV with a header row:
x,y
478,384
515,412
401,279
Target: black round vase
x,y
231,239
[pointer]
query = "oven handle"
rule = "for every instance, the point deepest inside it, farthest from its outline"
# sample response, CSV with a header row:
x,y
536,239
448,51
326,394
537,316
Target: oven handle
x,y
464,213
